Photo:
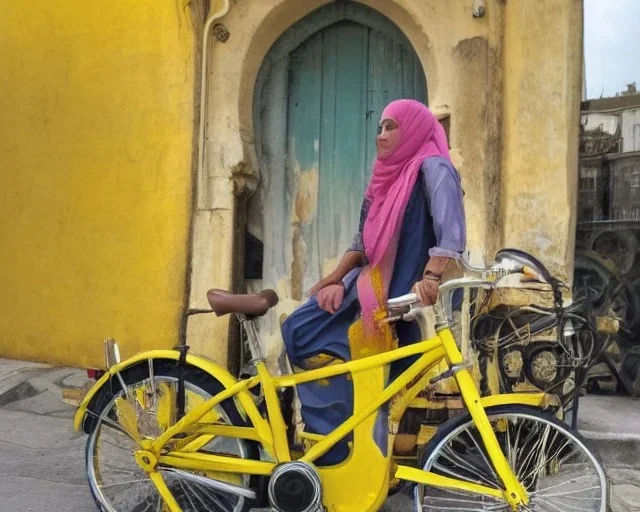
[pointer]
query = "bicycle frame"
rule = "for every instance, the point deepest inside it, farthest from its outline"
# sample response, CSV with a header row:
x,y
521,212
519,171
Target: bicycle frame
x,y
179,446
272,434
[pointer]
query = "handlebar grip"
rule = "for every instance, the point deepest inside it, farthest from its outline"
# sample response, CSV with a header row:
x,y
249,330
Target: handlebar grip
x,y
403,300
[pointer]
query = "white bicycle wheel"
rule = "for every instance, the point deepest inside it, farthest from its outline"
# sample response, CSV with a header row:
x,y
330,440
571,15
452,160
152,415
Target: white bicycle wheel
x,y
116,481
558,470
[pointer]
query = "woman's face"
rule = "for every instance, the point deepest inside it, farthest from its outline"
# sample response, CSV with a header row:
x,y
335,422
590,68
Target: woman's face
x,y
388,137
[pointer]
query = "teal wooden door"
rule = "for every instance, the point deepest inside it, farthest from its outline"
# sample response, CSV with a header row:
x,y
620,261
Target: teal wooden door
x,y
318,102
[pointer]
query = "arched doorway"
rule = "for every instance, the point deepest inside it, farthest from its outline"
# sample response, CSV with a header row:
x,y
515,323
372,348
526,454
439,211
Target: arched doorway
x,y
318,99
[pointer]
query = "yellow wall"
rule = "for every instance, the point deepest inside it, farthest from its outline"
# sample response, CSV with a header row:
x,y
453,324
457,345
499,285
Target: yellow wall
x,y
96,125
542,92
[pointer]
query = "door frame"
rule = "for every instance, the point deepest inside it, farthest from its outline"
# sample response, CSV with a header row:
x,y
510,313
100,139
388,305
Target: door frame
x,y
272,80
230,169
314,22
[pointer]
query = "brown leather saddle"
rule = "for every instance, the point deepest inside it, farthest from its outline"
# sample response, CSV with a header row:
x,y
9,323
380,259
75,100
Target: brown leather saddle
x,y
252,305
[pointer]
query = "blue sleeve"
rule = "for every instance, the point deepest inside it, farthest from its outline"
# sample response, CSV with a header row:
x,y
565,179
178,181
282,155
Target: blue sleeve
x,y
358,243
443,189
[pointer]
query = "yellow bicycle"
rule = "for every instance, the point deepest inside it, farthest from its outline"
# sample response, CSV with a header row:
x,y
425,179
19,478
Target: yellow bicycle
x,y
171,431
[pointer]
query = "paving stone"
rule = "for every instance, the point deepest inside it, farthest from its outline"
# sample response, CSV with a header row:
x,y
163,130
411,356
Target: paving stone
x,y
625,498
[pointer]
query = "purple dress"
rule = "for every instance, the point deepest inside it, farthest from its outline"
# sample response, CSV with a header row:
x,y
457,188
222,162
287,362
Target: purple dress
x,y
433,225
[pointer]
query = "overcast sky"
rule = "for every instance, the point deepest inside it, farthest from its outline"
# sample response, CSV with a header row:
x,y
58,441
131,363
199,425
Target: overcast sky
x,y
612,45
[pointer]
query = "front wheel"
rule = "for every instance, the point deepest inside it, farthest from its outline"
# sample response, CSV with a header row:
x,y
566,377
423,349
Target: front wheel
x,y
558,470
145,409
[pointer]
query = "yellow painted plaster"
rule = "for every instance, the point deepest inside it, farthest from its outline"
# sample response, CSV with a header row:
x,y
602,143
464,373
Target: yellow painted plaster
x,y
96,127
542,91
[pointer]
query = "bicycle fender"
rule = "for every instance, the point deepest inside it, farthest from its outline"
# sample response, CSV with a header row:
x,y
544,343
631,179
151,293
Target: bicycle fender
x,y
542,400
206,365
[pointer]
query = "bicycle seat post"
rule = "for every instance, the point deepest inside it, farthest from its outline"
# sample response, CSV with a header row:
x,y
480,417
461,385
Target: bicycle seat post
x,y
252,338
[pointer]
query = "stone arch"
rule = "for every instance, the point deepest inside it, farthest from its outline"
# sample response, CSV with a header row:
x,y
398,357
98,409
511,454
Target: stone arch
x,y
319,19
284,213
284,17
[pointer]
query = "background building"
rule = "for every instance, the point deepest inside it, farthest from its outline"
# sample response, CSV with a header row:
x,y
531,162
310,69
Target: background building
x,y
609,202
132,181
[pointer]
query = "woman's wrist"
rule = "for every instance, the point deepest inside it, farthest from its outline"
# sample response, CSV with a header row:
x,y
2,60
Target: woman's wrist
x,y
435,267
331,279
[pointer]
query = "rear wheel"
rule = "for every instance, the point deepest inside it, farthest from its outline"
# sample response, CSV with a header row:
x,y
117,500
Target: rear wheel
x,y
145,409
558,470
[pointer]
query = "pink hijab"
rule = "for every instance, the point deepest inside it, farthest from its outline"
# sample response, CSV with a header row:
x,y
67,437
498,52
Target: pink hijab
x,y
392,182
395,175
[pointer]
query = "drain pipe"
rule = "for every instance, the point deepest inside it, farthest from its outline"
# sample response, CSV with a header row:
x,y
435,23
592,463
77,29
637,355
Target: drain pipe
x,y
203,83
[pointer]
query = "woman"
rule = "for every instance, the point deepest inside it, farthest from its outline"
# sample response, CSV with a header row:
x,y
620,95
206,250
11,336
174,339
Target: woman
x,y
411,226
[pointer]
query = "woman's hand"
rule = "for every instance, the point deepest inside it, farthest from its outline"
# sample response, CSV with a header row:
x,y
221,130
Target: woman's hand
x,y
323,283
330,297
349,261
427,290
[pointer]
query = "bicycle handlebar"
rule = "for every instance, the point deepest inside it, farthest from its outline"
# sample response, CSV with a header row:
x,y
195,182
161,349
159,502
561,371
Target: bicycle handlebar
x,y
476,277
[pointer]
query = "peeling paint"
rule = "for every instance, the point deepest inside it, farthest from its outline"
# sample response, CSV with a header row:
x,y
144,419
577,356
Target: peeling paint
x,y
329,265
299,263
96,149
306,202
244,178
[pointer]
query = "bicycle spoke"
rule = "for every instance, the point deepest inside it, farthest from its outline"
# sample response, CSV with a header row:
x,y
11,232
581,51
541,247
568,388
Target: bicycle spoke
x,y
559,485
122,470
118,447
445,470
197,496
568,493
203,494
486,461
529,457
544,456
112,424
553,507
543,463
118,481
126,482
464,464
187,495
565,507
462,500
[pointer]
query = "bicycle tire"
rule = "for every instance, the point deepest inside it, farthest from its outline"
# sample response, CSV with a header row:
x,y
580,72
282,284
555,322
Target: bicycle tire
x,y
194,378
455,425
